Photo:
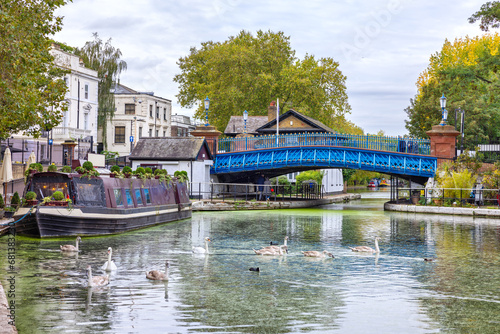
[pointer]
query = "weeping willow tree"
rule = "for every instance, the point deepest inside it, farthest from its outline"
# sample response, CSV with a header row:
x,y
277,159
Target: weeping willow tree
x,y
105,59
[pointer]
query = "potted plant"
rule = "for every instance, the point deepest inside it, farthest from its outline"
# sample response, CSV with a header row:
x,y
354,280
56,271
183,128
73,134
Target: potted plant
x,y
9,211
181,175
80,170
33,168
57,199
115,171
2,205
66,169
88,165
127,171
30,198
15,200
52,168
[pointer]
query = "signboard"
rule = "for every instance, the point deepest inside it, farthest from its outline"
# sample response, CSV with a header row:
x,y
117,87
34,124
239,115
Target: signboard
x,y
131,139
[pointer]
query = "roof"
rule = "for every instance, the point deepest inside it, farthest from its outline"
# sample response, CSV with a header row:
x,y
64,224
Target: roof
x,y
315,124
120,89
236,124
171,148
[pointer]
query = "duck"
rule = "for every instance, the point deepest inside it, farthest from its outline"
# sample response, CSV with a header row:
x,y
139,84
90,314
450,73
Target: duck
x,y
71,248
318,254
270,251
366,248
201,250
254,269
158,275
109,265
96,280
277,247
428,259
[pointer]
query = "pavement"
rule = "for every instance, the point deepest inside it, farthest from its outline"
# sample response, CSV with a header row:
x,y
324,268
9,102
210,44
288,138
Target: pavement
x,y
458,211
238,205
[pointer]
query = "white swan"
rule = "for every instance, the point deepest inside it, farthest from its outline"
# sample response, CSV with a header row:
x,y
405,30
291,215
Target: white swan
x,y
201,250
317,254
109,265
96,280
276,248
270,251
158,275
366,248
71,248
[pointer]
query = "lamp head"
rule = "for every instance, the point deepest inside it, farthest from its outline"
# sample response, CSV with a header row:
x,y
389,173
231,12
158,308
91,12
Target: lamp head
x,y
245,115
443,101
207,103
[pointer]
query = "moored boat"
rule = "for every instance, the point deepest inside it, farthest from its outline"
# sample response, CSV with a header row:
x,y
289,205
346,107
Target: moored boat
x,y
99,205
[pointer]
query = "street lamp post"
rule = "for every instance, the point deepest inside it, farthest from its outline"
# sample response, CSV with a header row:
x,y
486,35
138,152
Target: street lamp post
x,y
462,127
207,105
444,111
245,118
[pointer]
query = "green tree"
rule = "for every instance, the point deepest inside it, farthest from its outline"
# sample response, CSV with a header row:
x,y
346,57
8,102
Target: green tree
x,y
105,59
247,72
31,86
488,15
466,72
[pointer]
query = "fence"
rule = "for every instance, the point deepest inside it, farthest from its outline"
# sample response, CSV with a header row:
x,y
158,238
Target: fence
x,y
380,143
250,191
461,197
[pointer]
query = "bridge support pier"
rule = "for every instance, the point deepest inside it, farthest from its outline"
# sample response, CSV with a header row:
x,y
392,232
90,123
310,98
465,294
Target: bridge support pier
x,y
443,142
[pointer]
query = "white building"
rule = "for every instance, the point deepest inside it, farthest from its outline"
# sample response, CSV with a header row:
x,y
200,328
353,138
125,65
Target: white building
x,y
137,115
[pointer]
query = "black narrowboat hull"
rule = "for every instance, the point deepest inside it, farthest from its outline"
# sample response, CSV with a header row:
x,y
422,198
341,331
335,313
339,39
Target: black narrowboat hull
x,y
45,221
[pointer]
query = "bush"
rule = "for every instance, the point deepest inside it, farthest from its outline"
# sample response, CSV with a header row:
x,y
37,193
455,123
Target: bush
x,y
52,168
140,170
2,203
58,195
87,165
115,168
181,175
30,196
127,169
66,169
148,170
15,200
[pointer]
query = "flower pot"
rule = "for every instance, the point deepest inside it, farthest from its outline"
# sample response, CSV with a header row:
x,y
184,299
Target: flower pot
x,y
438,201
112,175
8,214
57,203
31,202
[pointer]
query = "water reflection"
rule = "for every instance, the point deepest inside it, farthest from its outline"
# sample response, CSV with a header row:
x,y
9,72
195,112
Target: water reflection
x,y
392,292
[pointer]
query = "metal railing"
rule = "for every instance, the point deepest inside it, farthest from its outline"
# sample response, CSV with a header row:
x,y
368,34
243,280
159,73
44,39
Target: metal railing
x,y
461,197
257,192
380,143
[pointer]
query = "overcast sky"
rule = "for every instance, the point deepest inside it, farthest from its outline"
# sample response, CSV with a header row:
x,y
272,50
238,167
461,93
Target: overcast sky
x,y
381,45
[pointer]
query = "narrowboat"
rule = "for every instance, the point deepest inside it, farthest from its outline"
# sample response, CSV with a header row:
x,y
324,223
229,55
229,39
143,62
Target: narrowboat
x,y
373,183
384,183
100,205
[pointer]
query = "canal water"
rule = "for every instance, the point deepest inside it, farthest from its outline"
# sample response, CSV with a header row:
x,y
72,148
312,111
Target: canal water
x,y
393,292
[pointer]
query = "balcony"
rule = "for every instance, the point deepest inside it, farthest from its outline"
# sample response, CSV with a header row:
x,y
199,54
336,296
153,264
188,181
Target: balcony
x,y
68,133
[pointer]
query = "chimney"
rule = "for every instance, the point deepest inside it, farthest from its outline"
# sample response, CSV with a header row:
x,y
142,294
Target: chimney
x,y
271,111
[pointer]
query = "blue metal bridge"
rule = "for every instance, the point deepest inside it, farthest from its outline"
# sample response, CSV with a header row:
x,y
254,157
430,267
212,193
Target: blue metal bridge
x,y
236,158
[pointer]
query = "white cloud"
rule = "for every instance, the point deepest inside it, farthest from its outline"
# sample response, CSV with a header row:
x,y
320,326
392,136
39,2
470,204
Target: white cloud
x,y
382,45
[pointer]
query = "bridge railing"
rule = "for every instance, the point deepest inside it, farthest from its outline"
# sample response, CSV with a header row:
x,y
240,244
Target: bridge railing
x,y
379,143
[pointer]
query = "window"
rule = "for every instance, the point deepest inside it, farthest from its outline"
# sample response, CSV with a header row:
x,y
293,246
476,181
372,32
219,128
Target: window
x,y
150,110
119,134
138,196
128,196
86,121
157,133
164,133
150,132
86,91
148,197
129,108
179,132
140,132
118,197
165,114
157,112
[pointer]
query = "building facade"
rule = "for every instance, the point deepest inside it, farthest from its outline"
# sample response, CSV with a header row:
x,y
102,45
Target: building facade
x,y
182,126
137,115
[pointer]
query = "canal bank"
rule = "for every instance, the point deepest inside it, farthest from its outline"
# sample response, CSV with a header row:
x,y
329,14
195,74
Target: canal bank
x,y
442,210
5,326
237,205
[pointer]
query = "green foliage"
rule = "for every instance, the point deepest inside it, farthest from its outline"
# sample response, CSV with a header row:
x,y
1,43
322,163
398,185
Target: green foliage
x,y
127,169
110,154
115,168
247,72
52,168
88,165
347,174
31,86
315,175
140,170
105,59
148,170
30,196
58,195
66,169
2,203
15,200
463,179
80,170
489,15
181,175
36,166
466,72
